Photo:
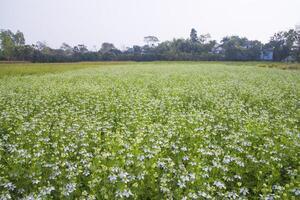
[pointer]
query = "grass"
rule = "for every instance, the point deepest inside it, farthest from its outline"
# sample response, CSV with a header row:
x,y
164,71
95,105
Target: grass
x,y
284,66
157,130
13,69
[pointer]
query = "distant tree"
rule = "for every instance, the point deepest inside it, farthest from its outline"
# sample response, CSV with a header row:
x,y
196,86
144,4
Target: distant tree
x,y
67,49
82,48
151,40
293,40
164,47
107,47
193,36
284,43
137,49
19,38
253,50
23,52
210,45
80,53
204,38
41,46
236,48
296,50
7,44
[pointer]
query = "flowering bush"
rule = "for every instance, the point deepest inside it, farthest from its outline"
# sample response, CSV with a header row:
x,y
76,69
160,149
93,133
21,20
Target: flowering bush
x,y
151,131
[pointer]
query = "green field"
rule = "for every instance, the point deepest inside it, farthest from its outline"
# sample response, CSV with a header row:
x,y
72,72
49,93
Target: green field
x,y
161,130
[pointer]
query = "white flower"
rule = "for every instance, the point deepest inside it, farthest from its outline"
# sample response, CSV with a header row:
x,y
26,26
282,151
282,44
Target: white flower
x,y
227,159
240,163
193,195
115,169
181,184
129,162
232,195
35,181
185,158
237,177
270,197
185,178
123,175
204,195
161,164
86,172
141,176
112,178
124,193
183,149
69,188
219,184
296,191
47,190
5,197
244,191
30,197
192,176
193,163
10,186
141,158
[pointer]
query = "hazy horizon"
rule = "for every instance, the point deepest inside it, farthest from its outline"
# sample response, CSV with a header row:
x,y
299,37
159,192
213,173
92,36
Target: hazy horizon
x,y
125,23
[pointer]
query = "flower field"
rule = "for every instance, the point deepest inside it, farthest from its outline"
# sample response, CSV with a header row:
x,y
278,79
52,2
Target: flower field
x,y
161,130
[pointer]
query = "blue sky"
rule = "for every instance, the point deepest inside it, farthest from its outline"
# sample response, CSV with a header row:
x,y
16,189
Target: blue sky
x,y
126,22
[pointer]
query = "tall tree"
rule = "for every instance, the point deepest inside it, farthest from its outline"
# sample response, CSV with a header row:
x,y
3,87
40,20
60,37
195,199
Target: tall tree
x,y
7,44
41,46
237,48
67,49
193,36
137,49
107,47
82,48
151,40
283,44
204,38
19,38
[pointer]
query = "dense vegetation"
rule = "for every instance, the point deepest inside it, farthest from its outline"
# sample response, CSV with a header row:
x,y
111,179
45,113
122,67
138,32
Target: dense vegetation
x,y
178,130
284,45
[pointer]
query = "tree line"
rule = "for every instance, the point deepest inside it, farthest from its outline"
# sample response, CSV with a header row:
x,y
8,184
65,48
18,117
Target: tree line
x,y
283,45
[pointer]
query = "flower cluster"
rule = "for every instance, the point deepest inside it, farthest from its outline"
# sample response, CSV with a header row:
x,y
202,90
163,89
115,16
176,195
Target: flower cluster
x,y
151,131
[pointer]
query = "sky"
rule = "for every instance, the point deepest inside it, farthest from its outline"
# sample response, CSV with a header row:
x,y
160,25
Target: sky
x,y
126,22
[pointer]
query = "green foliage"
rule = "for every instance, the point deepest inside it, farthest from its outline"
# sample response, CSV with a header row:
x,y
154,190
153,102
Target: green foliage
x,y
165,130
22,69
11,45
107,47
194,36
7,44
236,48
151,40
285,46
285,43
